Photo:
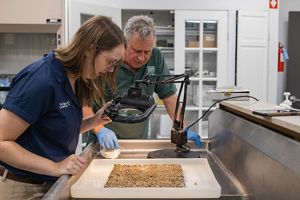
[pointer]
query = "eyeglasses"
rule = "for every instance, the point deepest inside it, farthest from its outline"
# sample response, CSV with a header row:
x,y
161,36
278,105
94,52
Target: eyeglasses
x,y
112,64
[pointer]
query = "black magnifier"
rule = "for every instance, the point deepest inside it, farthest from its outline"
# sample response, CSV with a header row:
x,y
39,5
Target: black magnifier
x,y
131,107
134,106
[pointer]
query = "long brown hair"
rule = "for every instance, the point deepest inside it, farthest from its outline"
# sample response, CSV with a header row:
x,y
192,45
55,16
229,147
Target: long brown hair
x,y
95,35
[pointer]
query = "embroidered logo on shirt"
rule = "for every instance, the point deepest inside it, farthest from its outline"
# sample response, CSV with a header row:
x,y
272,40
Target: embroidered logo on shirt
x,y
63,105
151,70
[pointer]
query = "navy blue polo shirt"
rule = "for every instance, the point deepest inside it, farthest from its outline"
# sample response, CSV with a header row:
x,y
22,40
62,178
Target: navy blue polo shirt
x,y
42,95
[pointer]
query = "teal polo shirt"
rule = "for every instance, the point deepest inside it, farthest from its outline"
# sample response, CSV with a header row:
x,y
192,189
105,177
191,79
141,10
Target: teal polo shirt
x,y
125,78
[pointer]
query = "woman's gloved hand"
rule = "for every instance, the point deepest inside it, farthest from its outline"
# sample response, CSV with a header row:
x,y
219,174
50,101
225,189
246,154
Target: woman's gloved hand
x,y
107,139
191,135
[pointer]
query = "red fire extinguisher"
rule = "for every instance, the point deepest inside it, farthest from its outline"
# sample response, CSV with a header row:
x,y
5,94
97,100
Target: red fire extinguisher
x,y
280,58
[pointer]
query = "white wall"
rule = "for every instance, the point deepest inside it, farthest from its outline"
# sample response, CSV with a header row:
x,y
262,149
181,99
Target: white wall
x,y
285,7
195,4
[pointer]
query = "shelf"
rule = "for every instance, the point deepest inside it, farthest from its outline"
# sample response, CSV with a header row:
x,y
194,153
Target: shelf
x,y
194,78
192,32
169,30
209,79
166,49
206,108
164,30
205,50
192,108
197,78
209,31
195,49
208,49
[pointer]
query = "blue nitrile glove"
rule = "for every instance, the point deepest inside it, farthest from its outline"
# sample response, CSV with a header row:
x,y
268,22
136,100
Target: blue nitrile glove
x,y
191,135
107,139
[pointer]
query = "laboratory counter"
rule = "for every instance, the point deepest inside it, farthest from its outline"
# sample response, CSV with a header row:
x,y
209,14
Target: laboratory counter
x,y
286,125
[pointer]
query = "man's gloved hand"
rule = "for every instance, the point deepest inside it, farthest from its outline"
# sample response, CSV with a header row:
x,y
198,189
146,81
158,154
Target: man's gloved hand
x,y
107,139
191,135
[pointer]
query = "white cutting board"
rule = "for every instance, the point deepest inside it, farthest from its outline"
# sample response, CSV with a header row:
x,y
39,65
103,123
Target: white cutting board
x,y
199,180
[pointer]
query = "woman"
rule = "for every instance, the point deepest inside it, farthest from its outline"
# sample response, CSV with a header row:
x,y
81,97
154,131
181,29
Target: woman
x,y
41,118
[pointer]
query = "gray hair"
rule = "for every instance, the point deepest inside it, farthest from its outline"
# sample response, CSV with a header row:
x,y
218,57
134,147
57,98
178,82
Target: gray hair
x,y
142,24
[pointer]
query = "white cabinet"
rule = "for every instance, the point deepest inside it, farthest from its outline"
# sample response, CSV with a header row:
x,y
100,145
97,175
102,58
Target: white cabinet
x,y
30,11
201,51
28,30
193,42
17,50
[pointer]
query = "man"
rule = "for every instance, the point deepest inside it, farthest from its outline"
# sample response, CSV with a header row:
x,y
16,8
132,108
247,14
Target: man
x,y
141,59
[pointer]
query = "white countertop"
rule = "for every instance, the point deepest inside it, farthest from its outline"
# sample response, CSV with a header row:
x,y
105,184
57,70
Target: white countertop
x,y
291,123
